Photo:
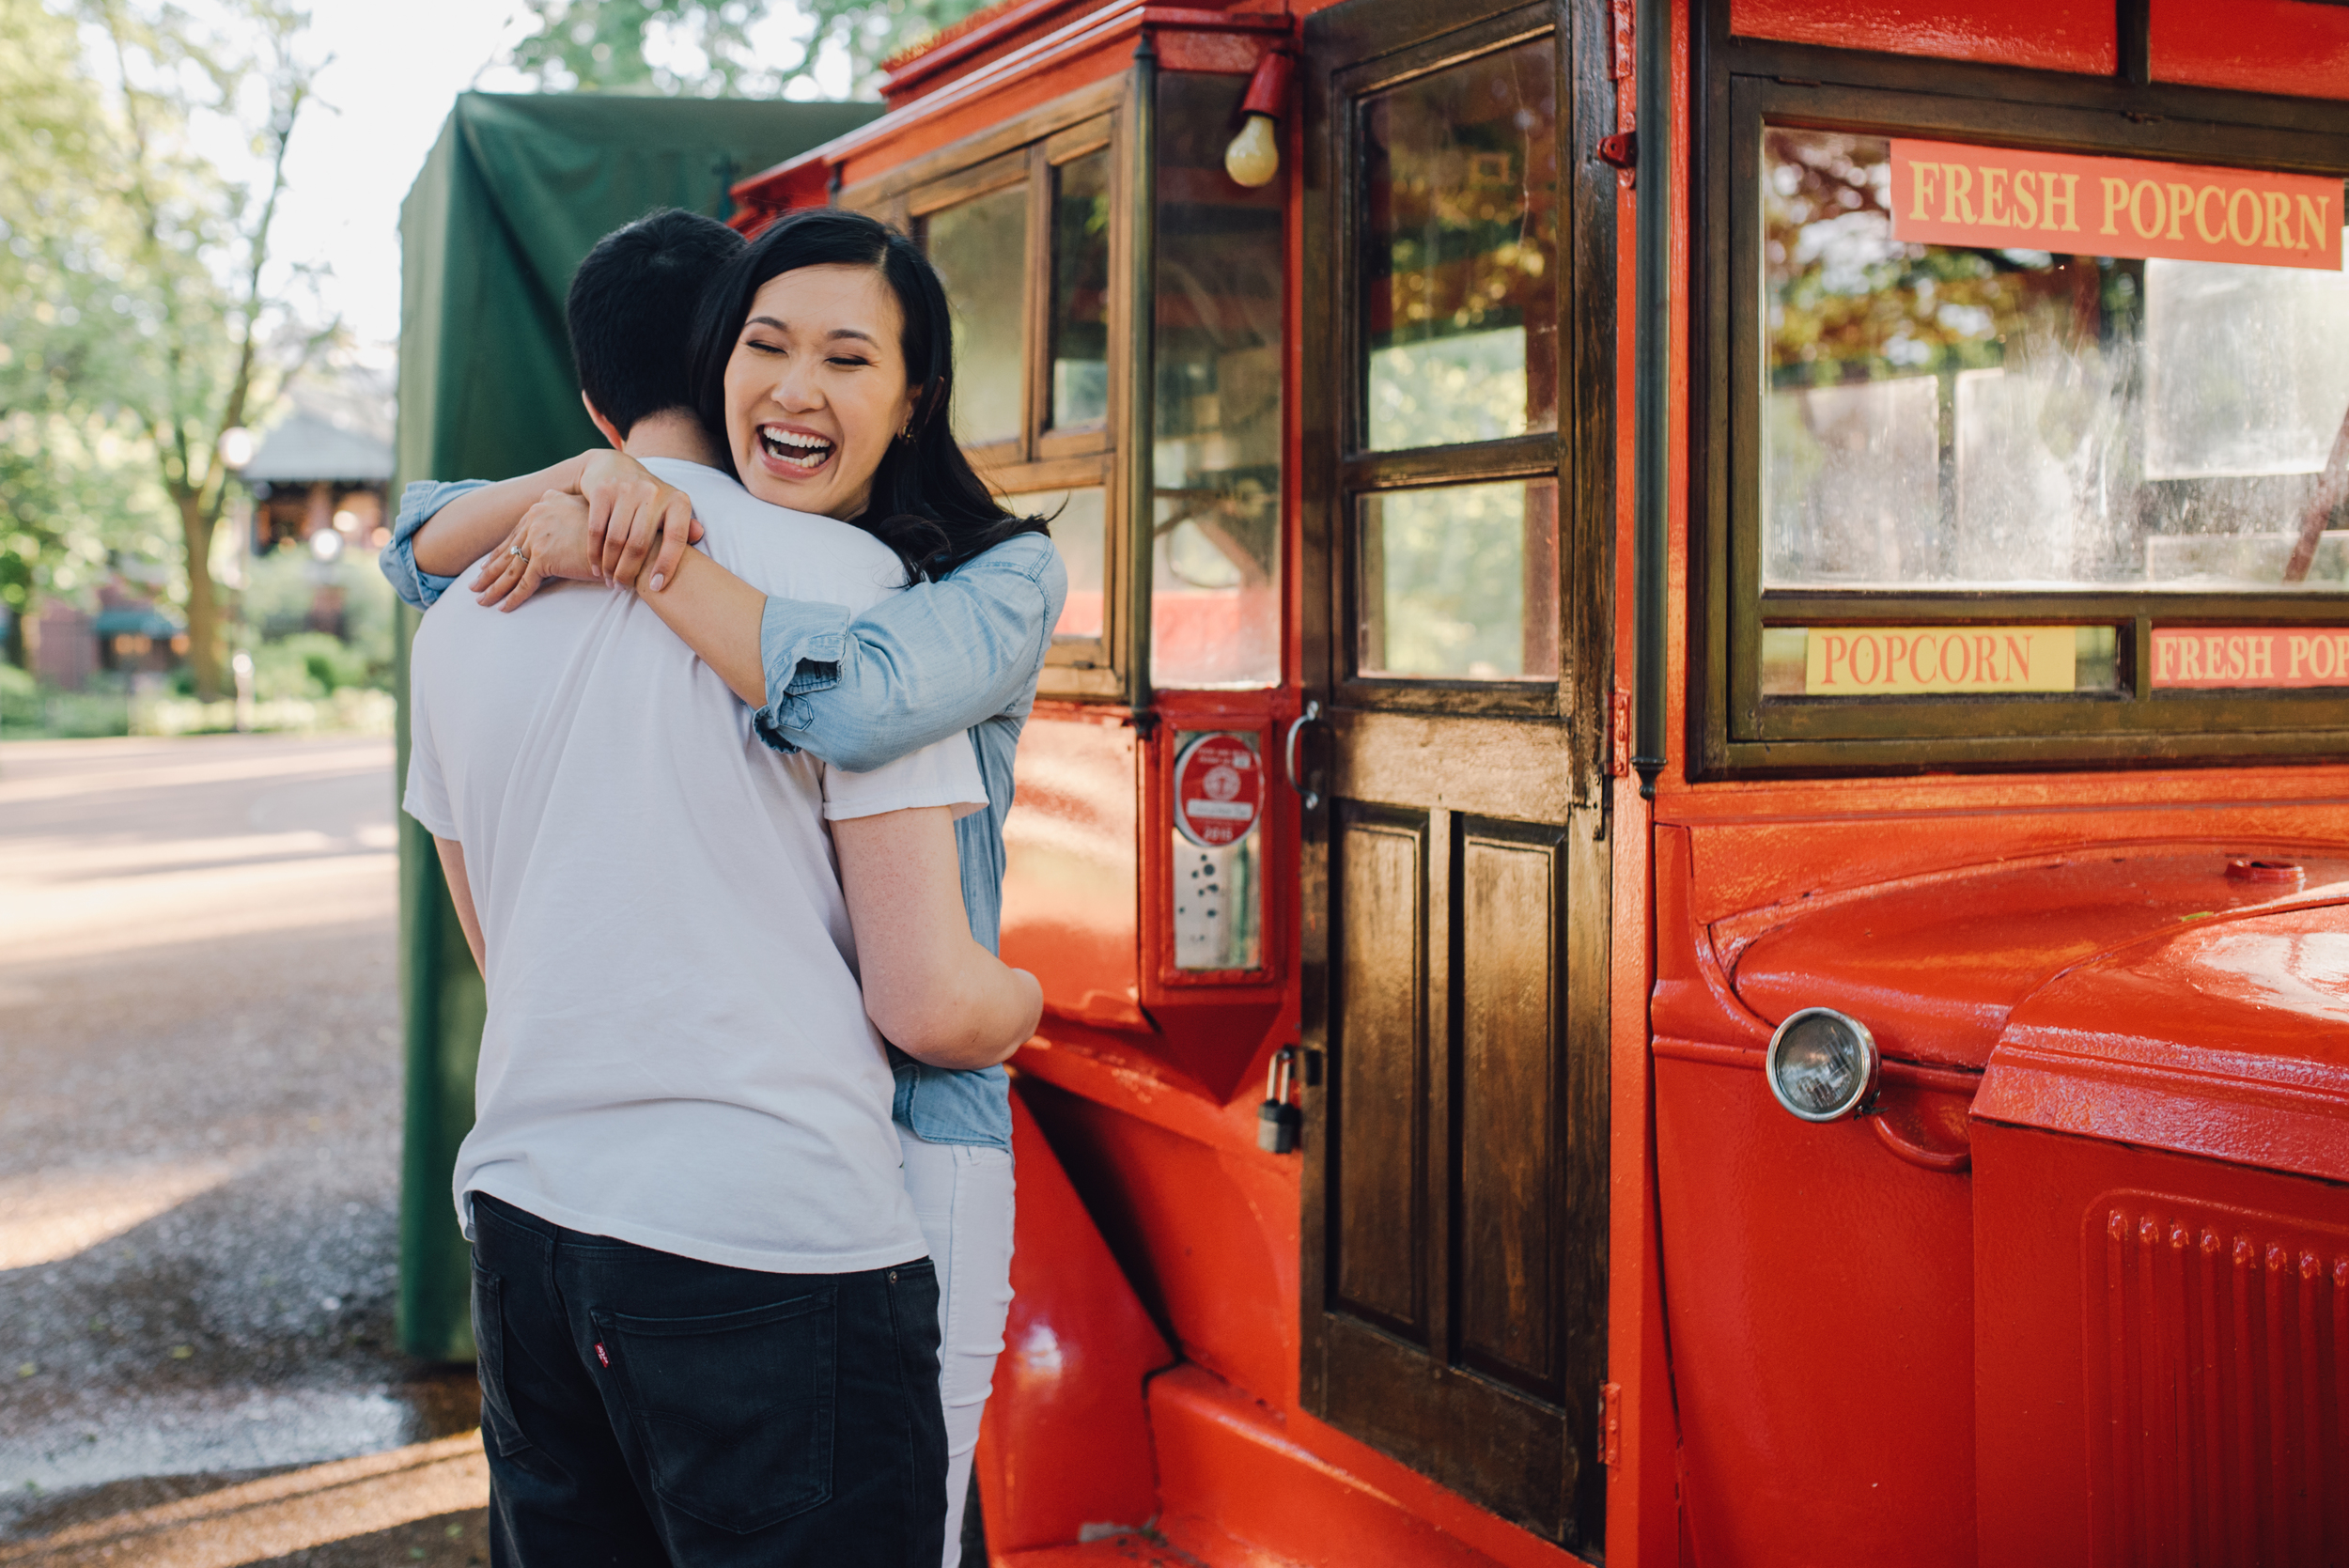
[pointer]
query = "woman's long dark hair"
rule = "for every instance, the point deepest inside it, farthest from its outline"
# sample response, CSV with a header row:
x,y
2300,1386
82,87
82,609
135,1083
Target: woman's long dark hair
x,y
926,504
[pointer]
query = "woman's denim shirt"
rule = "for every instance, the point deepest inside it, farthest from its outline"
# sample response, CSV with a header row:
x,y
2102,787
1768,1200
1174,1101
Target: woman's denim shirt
x,y
963,653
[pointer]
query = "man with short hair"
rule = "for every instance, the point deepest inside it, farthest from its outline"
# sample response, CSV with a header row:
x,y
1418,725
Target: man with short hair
x,y
708,1328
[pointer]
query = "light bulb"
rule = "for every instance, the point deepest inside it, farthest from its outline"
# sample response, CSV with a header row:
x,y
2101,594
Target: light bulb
x,y
1254,156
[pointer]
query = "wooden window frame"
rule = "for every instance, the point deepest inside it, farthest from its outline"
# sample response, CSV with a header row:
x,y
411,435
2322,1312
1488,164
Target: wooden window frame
x,y
1359,473
1029,150
1734,731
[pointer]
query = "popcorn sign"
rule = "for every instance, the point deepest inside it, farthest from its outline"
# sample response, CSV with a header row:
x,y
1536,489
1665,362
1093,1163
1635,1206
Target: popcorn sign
x,y
2005,198
2288,656
1219,790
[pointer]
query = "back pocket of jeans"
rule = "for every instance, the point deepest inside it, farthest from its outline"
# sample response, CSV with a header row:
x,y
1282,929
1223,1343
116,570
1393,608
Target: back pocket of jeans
x,y
489,1342
735,1411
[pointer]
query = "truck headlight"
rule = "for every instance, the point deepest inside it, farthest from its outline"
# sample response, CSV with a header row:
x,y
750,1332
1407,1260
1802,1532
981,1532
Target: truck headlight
x,y
1821,1065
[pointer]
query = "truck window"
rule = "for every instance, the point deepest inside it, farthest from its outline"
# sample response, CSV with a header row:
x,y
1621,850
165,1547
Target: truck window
x,y
980,249
1999,418
1456,352
1022,241
1080,292
1216,342
2036,449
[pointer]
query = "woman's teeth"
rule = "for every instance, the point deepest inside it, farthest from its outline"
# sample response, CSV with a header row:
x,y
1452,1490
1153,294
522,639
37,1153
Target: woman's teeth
x,y
794,448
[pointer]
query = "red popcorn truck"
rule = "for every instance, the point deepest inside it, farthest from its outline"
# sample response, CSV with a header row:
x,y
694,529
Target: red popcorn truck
x,y
1688,833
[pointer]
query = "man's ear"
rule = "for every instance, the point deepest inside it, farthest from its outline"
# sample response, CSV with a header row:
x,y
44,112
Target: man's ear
x,y
611,431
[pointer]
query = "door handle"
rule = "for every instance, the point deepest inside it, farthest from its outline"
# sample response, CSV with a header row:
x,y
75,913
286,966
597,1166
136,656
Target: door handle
x,y
1311,715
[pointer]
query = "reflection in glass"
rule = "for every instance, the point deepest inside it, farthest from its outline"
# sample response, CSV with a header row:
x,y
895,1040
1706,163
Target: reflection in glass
x,y
980,249
1216,450
1460,260
1080,291
2247,368
1081,533
1956,418
1460,582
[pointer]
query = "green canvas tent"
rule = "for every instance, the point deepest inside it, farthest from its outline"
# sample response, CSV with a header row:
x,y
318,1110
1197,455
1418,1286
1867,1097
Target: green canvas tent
x,y
514,191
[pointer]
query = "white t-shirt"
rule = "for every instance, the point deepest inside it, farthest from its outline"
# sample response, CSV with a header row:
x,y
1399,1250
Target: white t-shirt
x,y
676,1052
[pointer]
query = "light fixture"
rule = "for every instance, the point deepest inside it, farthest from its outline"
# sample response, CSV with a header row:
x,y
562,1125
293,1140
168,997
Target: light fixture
x,y
1254,156
326,544
1821,1065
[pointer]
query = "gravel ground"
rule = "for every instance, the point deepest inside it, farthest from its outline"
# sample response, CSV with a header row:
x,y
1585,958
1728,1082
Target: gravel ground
x,y
199,1130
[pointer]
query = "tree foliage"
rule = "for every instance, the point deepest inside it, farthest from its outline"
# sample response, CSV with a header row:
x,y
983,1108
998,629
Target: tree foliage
x,y
200,253
64,495
143,316
1847,299
707,48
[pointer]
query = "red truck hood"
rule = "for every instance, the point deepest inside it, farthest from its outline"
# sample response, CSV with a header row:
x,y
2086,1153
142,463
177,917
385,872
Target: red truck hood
x,y
2145,995
1938,966
2228,1039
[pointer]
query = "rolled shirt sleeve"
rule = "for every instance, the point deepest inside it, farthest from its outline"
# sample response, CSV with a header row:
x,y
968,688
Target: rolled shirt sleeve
x,y
918,666
417,503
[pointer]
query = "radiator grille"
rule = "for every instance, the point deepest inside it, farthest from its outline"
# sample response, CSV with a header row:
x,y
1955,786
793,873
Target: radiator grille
x,y
2218,1387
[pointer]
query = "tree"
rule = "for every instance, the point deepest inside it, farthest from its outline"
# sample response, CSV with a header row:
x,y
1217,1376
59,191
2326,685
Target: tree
x,y
63,499
599,45
196,258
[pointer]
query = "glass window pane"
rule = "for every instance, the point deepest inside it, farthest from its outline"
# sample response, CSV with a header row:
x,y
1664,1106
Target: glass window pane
x,y
1460,582
1959,418
1216,455
980,249
2247,368
1081,533
1460,215
1081,290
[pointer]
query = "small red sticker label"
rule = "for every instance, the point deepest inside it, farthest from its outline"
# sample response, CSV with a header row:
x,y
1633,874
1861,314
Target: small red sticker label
x,y
601,1356
1219,790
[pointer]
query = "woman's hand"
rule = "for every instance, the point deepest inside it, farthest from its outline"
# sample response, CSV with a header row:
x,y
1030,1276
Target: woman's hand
x,y
629,512
552,540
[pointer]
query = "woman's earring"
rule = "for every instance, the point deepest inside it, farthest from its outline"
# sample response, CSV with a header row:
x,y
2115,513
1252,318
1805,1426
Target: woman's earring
x,y
907,434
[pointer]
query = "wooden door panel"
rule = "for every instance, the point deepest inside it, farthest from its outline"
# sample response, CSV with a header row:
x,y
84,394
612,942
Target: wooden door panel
x,y
1495,766
1456,888
1508,1191
1380,1224
1443,1338
1513,1456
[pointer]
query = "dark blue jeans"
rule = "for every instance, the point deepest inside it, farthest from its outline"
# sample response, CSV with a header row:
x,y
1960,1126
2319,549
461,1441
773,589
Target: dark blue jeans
x,y
641,1409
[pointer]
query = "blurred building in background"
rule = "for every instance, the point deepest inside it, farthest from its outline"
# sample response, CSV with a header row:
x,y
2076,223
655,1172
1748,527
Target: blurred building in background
x,y
319,482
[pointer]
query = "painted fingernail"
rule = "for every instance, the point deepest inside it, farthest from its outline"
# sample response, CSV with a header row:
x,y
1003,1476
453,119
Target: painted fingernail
x,y
656,580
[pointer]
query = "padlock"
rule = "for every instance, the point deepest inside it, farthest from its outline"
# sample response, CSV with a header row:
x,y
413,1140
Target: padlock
x,y
1277,1121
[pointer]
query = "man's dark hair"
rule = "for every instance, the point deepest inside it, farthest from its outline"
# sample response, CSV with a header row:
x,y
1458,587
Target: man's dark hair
x,y
631,310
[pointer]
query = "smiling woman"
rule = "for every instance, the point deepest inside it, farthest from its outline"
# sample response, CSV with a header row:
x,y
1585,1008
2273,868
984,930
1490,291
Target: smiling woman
x,y
816,389
825,357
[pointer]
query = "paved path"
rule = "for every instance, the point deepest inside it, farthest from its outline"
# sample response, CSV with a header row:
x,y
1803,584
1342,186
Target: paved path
x,y
199,1136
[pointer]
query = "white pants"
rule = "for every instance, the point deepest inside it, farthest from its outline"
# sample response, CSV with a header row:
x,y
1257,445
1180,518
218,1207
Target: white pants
x,y
962,1198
